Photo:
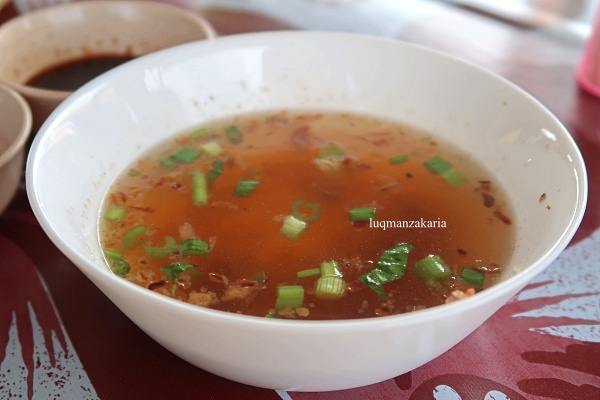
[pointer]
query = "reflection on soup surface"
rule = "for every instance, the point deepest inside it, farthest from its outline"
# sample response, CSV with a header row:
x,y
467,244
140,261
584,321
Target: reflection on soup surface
x,y
307,215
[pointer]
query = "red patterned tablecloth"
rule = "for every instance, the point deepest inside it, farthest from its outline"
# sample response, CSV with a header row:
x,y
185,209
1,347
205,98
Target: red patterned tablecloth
x,y
60,337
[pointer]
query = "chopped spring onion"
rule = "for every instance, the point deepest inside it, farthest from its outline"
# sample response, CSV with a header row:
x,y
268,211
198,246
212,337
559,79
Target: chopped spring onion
x,y
362,214
330,285
216,169
185,155
115,213
167,163
329,164
331,151
198,133
134,172
305,273
172,271
199,190
289,297
134,236
245,187
472,276
437,165
390,267
453,177
330,158
432,267
213,149
233,134
161,252
116,262
330,268
194,247
260,277
269,315
292,227
110,253
399,159
314,211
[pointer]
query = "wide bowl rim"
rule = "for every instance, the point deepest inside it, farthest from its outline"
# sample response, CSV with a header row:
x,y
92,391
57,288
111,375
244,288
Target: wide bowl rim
x,y
26,118
107,6
499,290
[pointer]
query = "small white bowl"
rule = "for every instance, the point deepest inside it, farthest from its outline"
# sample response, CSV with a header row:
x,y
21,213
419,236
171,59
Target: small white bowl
x,y
15,127
111,121
50,36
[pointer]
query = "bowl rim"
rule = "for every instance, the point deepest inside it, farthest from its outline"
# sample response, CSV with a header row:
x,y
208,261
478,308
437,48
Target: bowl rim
x,y
24,130
108,6
510,286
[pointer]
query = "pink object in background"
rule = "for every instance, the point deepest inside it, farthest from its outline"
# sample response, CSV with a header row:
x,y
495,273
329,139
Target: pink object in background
x,y
588,71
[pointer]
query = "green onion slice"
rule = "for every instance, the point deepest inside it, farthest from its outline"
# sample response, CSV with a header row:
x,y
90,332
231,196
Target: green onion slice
x,y
330,151
134,237
167,163
117,264
362,214
329,164
260,277
233,134
437,165
390,267
330,288
289,297
245,188
161,252
185,155
115,213
172,271
305,273
199,189
213,149
314,211
330,285
194,247
453,177
216,169
432,267
330,268
399,159
198,133
472,276
110,253
292,227
330,158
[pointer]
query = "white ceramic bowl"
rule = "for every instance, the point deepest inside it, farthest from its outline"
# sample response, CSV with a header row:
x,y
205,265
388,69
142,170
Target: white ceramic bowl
x,y
41,39
99,130
15,127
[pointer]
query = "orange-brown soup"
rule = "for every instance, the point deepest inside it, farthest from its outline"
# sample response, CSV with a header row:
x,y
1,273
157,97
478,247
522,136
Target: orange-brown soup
x,y
325,170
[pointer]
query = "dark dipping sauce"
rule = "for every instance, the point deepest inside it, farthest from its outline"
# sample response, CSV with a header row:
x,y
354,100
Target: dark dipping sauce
x,y
73,74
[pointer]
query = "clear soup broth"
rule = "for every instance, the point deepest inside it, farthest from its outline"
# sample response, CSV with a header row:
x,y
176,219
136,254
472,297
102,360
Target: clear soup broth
x,y
307,215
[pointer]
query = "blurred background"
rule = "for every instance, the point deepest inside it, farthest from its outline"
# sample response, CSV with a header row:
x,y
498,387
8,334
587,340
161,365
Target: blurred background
x,y
569,18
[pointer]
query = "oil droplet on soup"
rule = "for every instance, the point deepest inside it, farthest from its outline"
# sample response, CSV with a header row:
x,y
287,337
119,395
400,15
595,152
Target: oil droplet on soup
x,y
307,215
